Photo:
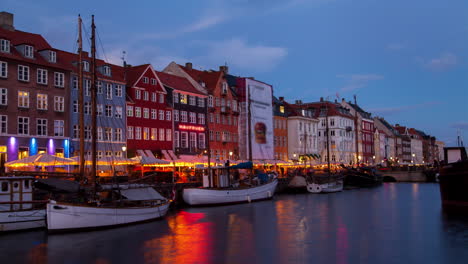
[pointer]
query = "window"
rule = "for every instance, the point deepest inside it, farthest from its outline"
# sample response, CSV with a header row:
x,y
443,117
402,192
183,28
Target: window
x,y
211,118
85,66
217,101
137,132
183,99
99,87
193,140
161,98
75,106
176,115
59,128
23,125
118,112
145,95
332,122
28,51
183,116
201,102
218,136
332,132
99,133
154,114
193,118
23,99
109,110
59,79
137,111
161,134
145,112
3,69
87,132
154,133
281,109
145,79
168,135
108,134
75,82
129,110
192,100
176,97
99,110
87,108
129,132
42,101
153,81
4,45
59,103
211,135
176,139
234,105
107,70
137,94
41,76
201,119
168,115
109,91
87,87
225,88
3,96
153,97
119,90
217,118
3,124
201,140
52,56
210,101
41,125
108,153
161,114
146,133
183,140
23,73
76,131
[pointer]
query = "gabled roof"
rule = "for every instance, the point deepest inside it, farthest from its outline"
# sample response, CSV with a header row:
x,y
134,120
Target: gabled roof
x,y
333,109
17,37
388,126
360,111
178,83
210,78
401,129
134,73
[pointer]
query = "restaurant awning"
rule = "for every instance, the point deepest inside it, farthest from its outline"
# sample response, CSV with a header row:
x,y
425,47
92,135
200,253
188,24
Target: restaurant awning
x,y
42,160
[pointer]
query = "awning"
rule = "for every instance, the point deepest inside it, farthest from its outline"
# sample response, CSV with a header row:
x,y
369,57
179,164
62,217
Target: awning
x,y
42,159
146,157
243,165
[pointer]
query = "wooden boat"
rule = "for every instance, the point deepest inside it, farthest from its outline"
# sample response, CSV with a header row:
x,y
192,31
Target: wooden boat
x,y
18,209
361,177
453,181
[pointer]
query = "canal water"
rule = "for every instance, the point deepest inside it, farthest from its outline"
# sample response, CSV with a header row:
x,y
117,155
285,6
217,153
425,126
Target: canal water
x,y
394,223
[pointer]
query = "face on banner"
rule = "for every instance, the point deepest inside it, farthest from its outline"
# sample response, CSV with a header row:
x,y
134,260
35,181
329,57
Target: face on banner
x,y
261,113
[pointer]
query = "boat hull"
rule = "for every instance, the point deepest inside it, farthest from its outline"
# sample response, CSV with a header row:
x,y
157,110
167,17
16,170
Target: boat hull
x,y
63,217
200,196
22,220
453,183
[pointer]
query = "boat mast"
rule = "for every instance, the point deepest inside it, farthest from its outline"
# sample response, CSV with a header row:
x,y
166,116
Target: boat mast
x,y
356,130
249,125
93,105
81,99
328,139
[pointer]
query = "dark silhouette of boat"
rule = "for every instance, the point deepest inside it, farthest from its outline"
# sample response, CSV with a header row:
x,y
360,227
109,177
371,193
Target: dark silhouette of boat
x,y
453,181
361,177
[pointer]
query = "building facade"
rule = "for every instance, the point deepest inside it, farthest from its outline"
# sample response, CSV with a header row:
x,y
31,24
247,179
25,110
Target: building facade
x,y
280,126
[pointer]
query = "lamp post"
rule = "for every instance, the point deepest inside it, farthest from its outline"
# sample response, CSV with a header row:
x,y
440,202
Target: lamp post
x,y
412,158
124,149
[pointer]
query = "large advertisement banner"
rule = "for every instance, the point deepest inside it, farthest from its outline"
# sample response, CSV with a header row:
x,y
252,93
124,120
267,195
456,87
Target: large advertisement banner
x,y
261,123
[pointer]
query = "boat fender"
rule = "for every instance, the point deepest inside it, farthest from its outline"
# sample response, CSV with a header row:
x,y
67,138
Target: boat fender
x,y
248,198
269,194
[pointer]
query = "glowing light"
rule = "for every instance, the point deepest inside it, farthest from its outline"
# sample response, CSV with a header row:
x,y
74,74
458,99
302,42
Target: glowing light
x,y
196,128
51,147
33,146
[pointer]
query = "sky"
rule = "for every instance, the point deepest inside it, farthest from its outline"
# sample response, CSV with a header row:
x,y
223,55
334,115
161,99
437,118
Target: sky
x,y
406,61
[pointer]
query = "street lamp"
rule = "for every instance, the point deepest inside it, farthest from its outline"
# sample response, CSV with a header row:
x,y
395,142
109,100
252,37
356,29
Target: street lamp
x,y
124,148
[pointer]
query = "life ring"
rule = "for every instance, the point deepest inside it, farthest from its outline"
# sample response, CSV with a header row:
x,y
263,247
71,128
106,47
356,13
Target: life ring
x,y
314,188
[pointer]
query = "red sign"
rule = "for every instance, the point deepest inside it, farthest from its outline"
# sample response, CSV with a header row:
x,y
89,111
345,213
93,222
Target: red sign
x,y
196,128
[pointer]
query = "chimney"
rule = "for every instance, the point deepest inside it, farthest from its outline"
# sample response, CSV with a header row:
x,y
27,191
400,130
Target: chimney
x,y
224,69
298,102
321,99
343,100
6,21
281,98
188,65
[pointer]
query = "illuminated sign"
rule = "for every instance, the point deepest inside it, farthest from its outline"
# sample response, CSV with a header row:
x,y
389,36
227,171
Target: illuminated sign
x,y
3,149
195,128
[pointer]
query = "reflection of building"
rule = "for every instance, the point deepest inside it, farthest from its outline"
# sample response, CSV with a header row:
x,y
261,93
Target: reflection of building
x,y
34,82
149,114
280,126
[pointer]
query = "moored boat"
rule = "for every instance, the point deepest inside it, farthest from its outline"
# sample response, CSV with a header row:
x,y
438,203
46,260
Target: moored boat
x,y
453,181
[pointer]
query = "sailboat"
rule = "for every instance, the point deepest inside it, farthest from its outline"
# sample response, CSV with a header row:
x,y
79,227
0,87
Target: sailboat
x,y
116,205
224,190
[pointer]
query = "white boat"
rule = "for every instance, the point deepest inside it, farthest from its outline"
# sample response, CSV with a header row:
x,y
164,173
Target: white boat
x,y
332,187
140,204
208,196
18,211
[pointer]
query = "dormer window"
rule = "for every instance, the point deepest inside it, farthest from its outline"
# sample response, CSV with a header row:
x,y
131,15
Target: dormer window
x,y
107,70
52,56
145,80
85,66
203,84
153,81
281,108
4,45
28,51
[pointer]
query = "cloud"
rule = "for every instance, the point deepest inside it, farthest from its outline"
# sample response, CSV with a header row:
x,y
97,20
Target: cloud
x,y
399,109
237,52
357,81
444,62
460,125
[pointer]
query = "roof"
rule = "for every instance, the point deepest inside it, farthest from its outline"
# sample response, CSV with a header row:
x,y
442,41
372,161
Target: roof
x,y
134,73
17,37
334,109
178,83
360,110
210,78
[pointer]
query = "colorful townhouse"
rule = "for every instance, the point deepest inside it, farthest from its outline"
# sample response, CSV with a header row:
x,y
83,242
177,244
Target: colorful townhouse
x,y
110,103
364,131
149,113
34,84
280,132
388,134
341,130
222,107
189,116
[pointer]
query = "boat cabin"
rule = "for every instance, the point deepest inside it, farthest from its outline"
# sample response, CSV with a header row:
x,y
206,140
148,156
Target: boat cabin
x,y
14,191
455,154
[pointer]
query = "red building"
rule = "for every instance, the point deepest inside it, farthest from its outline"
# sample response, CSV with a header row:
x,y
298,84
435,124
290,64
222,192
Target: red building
x,y
149,115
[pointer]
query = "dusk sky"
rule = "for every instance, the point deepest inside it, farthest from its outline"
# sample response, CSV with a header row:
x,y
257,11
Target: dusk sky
x,y
405,60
